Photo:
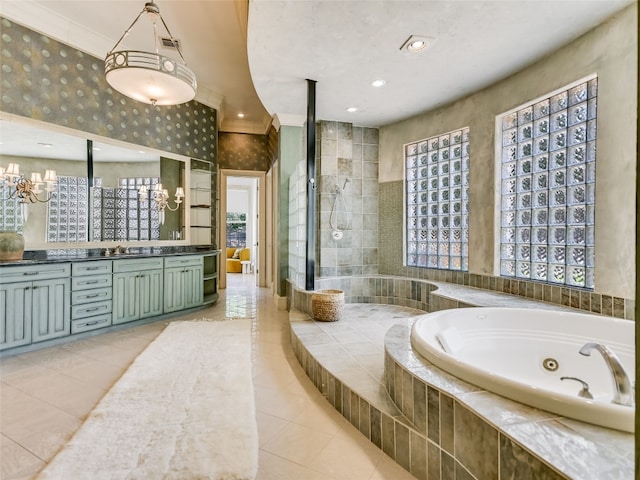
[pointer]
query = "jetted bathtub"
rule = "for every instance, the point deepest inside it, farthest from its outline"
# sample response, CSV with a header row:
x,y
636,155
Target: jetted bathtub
x,y
522,354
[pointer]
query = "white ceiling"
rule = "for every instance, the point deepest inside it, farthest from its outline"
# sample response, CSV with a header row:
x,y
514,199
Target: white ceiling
x,y
342,44
345,45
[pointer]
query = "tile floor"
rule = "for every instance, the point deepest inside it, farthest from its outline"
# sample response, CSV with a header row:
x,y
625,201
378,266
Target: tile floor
x,y
46,394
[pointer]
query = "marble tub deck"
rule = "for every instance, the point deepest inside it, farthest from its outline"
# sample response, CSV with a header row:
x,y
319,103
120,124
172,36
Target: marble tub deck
x,y
353,351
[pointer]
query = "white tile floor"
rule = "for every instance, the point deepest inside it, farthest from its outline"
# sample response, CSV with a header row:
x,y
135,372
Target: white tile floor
x,y
45,395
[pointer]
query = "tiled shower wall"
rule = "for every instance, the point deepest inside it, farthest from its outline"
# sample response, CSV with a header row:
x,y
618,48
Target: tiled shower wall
x,y
298,224
347,152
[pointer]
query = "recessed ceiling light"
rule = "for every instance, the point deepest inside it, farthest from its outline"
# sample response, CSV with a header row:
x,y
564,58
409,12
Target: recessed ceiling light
x,y
140,151
45,145
96,149
352,109
241,115
417,43
378,83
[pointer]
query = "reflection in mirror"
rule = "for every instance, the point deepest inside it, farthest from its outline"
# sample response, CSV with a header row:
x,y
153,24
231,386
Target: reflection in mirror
x,y
105,207
36,150
120,208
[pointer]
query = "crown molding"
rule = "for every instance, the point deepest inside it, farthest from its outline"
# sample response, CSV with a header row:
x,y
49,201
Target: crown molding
x,y
288,120
41,19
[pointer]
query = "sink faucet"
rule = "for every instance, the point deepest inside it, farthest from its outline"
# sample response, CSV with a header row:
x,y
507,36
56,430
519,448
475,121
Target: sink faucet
x,y
622,390
119,250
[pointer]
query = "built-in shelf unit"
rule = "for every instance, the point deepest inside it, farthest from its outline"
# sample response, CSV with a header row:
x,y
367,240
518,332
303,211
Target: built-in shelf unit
x,y
210,278
202,202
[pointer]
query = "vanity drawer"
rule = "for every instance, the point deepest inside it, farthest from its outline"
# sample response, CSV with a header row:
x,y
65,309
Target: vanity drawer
x,y
135,265
90,309
92,281
183,261
86,324
89,296
34,272
91,268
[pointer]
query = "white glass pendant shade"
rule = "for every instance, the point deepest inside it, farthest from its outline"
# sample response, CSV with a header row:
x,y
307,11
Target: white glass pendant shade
x,y
150,77
147,76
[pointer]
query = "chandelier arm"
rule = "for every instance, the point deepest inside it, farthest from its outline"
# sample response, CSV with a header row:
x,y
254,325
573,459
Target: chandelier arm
x,y
173,209
126,32
172,39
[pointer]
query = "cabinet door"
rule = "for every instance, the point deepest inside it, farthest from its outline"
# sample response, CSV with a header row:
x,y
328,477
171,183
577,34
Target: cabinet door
x,y
174,298
193,287
51,314
126,306
15,314
150,293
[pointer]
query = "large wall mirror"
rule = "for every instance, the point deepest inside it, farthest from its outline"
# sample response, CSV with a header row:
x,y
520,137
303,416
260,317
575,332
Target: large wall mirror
x,y
96,197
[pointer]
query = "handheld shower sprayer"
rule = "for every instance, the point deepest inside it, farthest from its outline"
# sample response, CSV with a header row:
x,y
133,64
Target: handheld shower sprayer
x,y
341,190
334,221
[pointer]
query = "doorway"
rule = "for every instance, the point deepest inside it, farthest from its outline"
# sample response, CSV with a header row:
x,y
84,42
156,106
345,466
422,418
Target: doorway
x,y
242,224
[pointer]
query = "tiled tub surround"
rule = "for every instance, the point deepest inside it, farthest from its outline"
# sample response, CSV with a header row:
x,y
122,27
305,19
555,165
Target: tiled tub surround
x,y
501,350
493,437
582,299
434,423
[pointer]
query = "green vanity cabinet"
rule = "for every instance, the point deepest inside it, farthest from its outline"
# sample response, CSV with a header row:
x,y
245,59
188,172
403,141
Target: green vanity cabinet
x,y
91,295
183,282
34,304
137,289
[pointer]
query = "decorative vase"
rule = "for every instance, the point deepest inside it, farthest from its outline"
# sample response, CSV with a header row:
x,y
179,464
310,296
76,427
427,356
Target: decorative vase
x,y
11,245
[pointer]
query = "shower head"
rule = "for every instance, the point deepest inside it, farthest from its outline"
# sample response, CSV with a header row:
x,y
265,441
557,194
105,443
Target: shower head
x,y
346,180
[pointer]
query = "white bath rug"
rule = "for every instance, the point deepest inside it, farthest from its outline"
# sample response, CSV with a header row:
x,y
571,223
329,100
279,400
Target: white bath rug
x,y
183,410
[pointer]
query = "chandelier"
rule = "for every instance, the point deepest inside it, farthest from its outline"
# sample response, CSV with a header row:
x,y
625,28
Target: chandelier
x,y
150,77
161,197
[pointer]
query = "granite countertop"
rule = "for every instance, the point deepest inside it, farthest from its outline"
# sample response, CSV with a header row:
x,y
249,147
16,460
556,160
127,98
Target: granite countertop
x,y
32,257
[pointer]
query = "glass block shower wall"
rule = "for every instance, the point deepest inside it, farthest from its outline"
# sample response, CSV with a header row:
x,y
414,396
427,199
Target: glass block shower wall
x,y
437,201
548,188
298,225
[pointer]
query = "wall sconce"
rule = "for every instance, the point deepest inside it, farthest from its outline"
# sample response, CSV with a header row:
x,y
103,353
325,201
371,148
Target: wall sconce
x,y
28,190
161,197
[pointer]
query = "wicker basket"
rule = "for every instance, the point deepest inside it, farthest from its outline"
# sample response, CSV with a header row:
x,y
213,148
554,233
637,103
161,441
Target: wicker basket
x,y
327,305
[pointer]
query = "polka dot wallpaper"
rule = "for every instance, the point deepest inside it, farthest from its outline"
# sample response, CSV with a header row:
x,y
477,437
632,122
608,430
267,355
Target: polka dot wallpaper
x,y
242,151
46,80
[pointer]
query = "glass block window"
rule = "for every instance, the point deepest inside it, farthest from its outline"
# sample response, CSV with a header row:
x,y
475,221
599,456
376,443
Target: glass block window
x,y
118,214
548,188
67,211
10,210
437,194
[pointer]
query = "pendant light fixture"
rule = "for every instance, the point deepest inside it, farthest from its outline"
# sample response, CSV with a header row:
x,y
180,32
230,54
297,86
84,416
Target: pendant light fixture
x,y
150,77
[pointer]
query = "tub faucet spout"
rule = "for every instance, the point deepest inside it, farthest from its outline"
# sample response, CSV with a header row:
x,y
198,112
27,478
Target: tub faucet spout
x,y
622,391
